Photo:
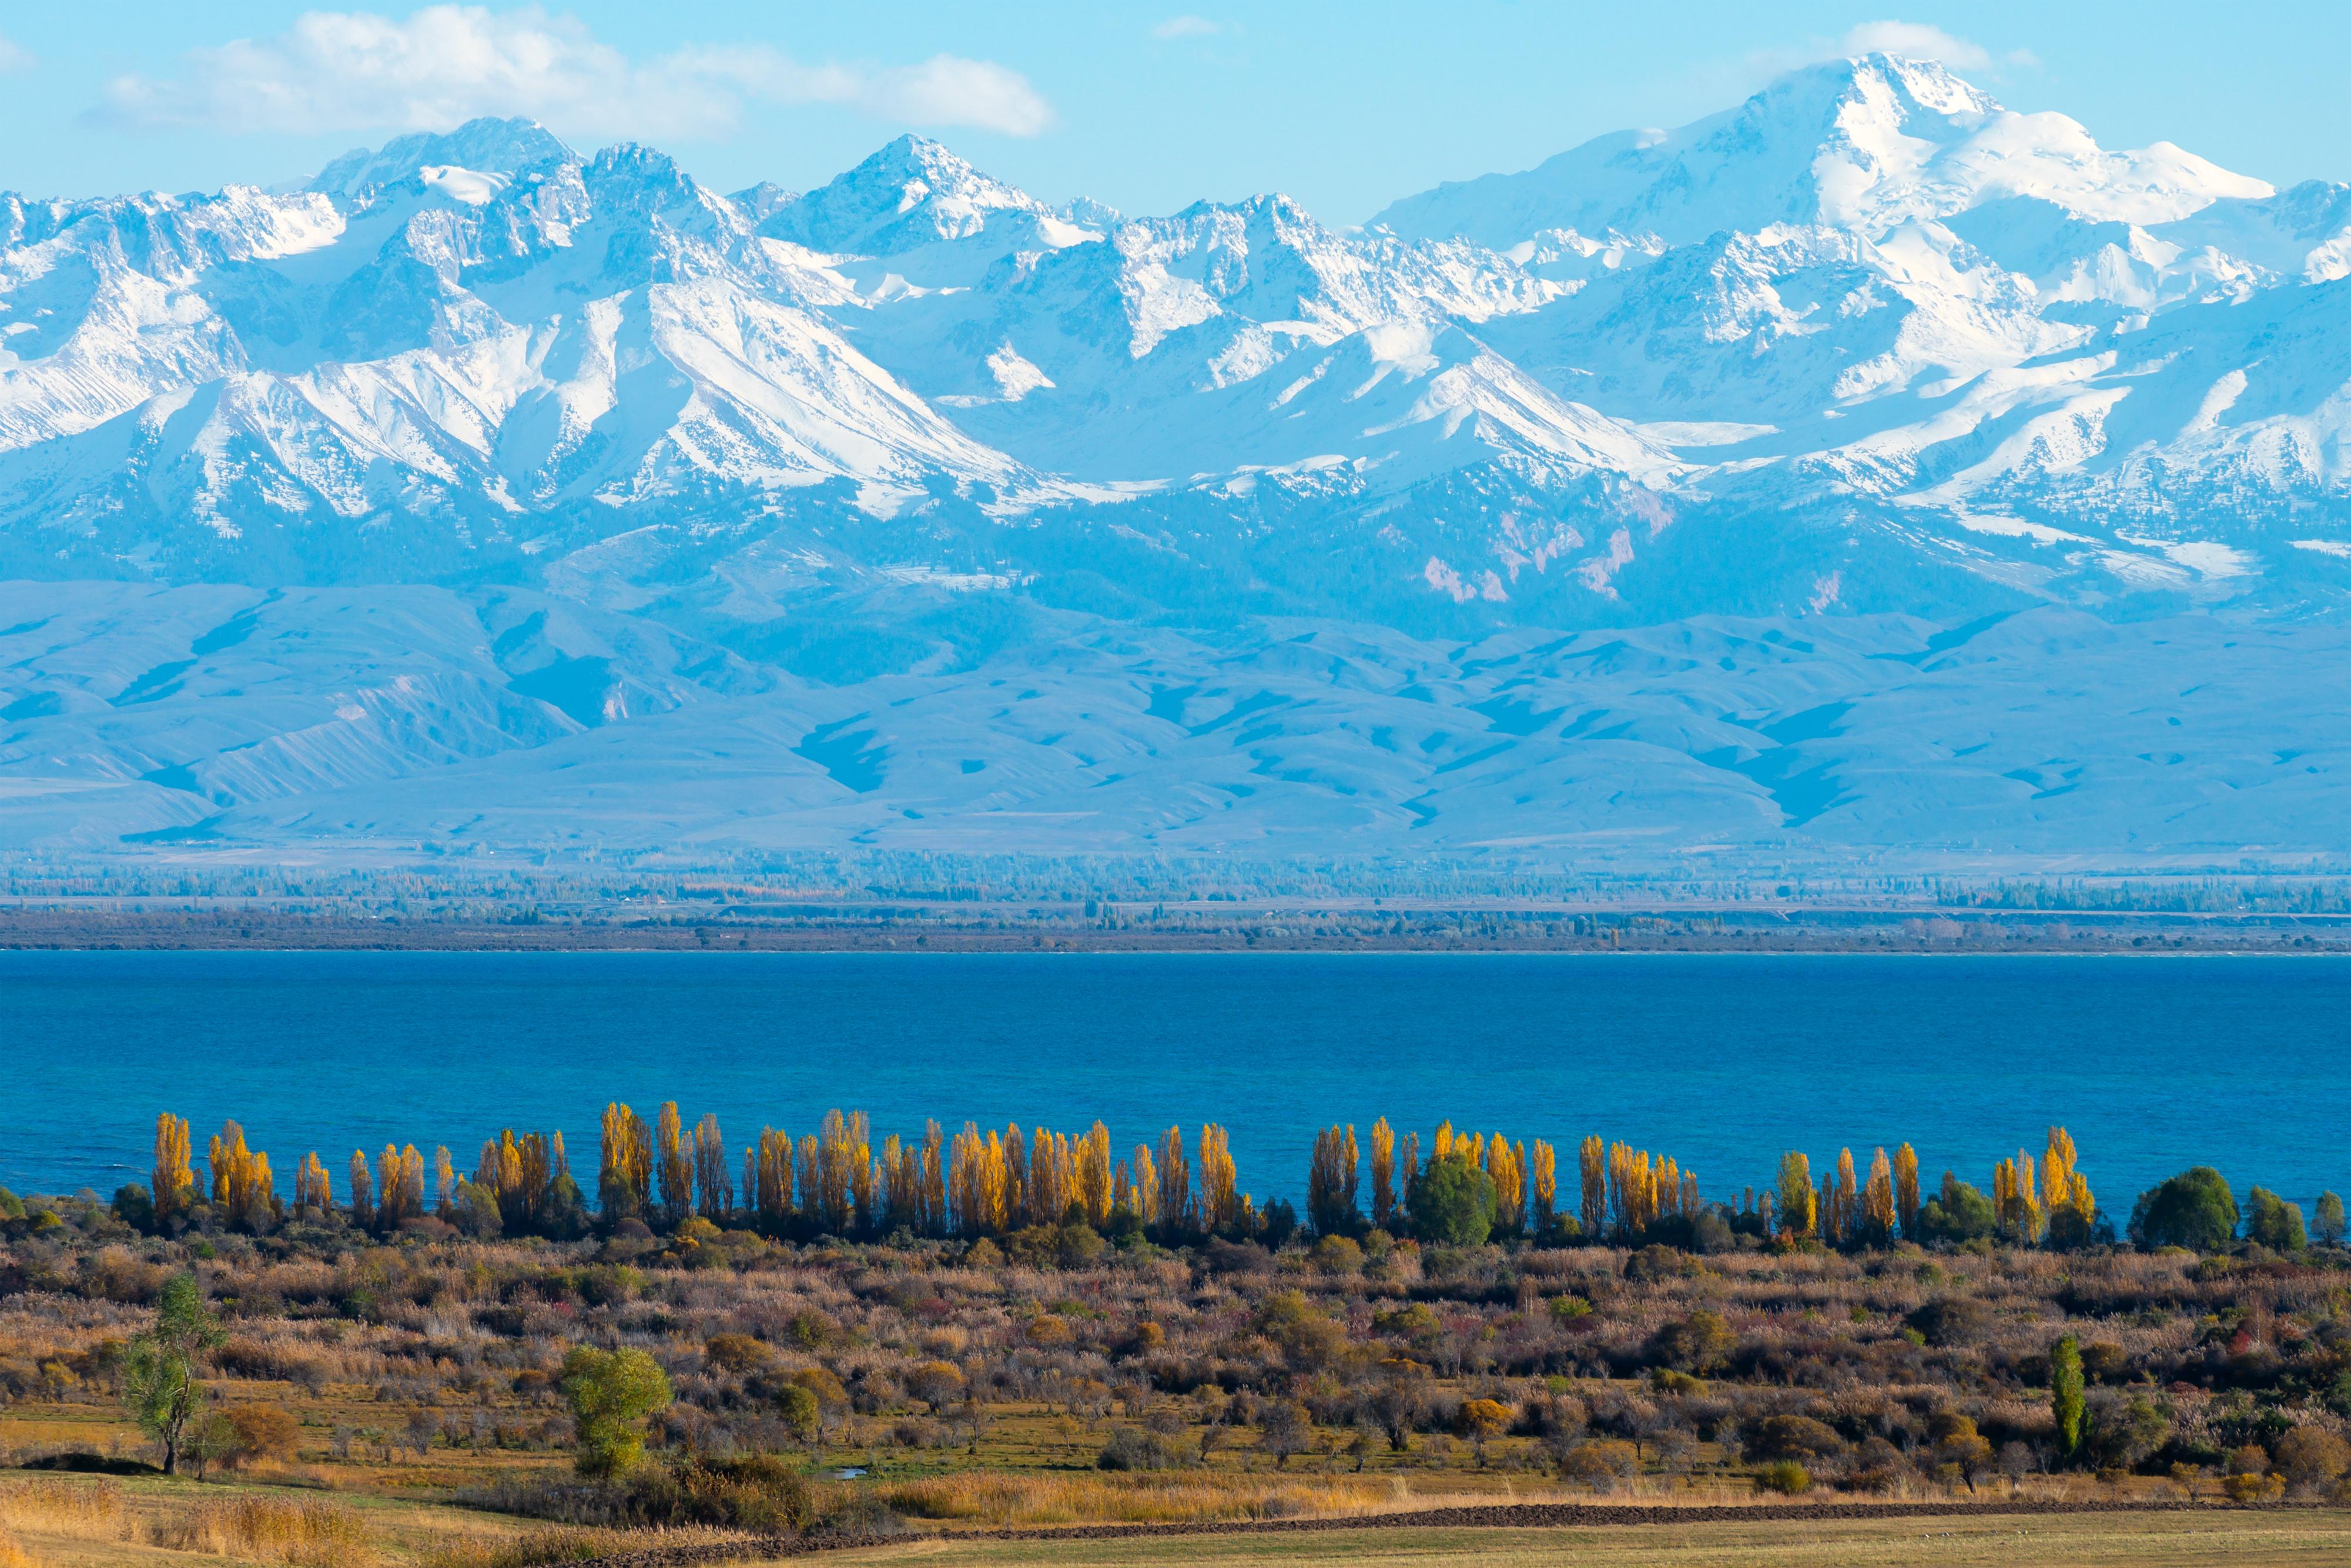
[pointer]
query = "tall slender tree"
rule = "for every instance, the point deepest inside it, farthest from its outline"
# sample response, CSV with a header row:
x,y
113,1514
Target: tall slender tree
x,y
1384,1182
672,1164
1145,1186
714,1184
1093,1175
1799,1205
1331,1183
175,1183
1847,1212
1177,1214
1592,1156
1879,1213
312,1190
934,1182
362,1191
1544,1187
624,1180
1220,1206
1906,1190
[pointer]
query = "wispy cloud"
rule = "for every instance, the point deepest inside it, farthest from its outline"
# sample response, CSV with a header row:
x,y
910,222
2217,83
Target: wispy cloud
x,y
1918,41
15,56
1187,27
1915,40
357,71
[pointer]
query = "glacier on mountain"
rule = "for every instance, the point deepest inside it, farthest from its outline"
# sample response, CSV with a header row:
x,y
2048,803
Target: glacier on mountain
x,y
1863,362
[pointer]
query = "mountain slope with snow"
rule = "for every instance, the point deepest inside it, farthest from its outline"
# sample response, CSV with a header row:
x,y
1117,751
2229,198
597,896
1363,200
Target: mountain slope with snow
x,y
1868,350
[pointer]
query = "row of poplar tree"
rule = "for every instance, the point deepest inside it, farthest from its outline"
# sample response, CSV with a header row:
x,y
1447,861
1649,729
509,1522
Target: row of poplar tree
x,y
988,1182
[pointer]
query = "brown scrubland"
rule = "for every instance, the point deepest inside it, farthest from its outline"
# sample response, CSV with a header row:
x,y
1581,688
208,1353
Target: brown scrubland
x,y
485,1372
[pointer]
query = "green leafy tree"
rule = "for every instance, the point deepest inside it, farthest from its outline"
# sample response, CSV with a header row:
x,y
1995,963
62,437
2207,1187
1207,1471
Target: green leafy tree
x,y
799,1411
2327,1220
611,1394
2194,1209
1453,1202
159,1370
1958,1213
2273,1222
2065,1395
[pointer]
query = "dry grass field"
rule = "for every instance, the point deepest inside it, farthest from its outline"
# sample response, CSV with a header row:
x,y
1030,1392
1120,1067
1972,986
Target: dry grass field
x,y
2294,1539
398,1398
81,1522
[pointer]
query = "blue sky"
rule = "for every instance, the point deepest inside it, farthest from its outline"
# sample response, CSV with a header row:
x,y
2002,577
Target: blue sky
x,y
1345,106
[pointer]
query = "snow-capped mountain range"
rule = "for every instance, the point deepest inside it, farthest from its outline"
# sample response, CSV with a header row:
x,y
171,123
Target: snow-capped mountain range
x,y
1867,344
1908,336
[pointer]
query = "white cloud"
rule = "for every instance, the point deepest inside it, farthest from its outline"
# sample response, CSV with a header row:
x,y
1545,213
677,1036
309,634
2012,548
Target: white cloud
x,y
947,89
444,64
1918,41
1187,27
15,56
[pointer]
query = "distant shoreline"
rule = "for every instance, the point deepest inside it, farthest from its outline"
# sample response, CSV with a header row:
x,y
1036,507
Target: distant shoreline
x,y
1484,930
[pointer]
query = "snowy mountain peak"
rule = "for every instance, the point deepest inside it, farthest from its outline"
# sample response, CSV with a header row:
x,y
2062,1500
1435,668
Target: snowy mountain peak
x,y
911,193
486,145
1917,90
1866,143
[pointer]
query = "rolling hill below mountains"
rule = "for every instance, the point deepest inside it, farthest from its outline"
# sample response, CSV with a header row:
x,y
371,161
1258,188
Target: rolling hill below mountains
x,y
1866,471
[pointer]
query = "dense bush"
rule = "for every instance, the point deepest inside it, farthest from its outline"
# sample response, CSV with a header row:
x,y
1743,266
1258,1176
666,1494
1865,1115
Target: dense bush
x,y
1453,1203
2194,1209
2274,1223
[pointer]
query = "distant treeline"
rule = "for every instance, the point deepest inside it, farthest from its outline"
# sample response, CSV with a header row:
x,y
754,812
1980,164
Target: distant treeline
x,y
1465,1190
485,886
2204,895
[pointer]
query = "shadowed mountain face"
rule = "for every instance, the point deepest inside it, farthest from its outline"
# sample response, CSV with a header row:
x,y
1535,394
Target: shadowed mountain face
x,y
1867,468
382,720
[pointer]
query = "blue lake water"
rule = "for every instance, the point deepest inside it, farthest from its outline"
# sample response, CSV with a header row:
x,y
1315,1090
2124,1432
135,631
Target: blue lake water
x,y
2154,1063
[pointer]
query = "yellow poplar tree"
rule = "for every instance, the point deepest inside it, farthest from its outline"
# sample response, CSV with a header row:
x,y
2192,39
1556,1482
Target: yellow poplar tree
x,y
1906,1190
175,1183
624,1180
1145,1186
934,1182
1093,1175
1879,1213
858,1156
2065,1194
1331,1182
770,1187
362,1191
1174,1204
311,1189
1592,1155
1543,1185
1220,1197
243,1189
1848,1200
1384,1182
2016,1197
1505,1170
672,1166
713,1186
